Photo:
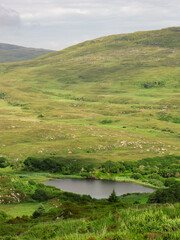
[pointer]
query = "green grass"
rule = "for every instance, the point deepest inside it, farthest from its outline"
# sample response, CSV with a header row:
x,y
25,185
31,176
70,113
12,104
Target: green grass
x,y
98,221
57,104
138,198
113,98
18,210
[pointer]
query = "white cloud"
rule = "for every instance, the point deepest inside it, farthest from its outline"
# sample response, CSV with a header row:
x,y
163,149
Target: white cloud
x,y
59,23
42,11
52,14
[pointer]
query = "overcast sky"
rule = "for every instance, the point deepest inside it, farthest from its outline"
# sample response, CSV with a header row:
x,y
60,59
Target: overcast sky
x,y
56,24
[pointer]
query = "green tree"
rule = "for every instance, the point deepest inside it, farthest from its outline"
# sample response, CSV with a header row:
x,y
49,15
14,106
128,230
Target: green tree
x,y
113,197
170,195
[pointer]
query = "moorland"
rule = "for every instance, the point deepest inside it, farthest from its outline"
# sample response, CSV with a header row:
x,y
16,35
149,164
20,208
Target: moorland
x,y
105,109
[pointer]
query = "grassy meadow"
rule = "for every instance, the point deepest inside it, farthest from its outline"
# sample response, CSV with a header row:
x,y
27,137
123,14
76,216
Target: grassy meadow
x,y
113,98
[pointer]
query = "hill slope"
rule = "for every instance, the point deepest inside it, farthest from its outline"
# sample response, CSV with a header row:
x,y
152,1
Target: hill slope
x,y
112,98
13,53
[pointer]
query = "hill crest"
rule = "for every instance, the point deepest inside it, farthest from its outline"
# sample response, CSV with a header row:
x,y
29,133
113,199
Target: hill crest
x,y
13,53
108,99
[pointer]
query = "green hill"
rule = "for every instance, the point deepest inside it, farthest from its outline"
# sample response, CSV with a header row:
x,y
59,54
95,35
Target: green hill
x,y
112,98
13,53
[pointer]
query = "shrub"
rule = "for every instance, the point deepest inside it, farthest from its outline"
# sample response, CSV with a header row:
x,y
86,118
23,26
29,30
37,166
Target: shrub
x,y
41,195
37,213
106,121
170,195
69,196
168,117
85,227
40,116
32,182
3,215
154,176
3,162
136,175
32,163
170,181
2,95
153,84
156,182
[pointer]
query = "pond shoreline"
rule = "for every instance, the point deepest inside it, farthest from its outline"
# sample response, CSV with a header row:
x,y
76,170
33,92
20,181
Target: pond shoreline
x,y
46,176
97,188
115,179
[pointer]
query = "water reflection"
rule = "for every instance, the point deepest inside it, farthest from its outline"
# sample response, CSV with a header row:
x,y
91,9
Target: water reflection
x,y
97,188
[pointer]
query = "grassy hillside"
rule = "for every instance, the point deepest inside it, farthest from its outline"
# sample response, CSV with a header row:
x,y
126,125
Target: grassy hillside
x,y
112,98
30,210
13,53
94,221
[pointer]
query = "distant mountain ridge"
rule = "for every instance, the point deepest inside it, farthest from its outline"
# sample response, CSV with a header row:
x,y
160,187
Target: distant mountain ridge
x,y
14,53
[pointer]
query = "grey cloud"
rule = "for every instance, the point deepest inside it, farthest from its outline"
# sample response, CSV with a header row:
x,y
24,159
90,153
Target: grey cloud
x,y
60,23
8,17
43,11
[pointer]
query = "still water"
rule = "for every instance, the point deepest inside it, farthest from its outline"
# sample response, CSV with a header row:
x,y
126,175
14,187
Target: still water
x,y
97,188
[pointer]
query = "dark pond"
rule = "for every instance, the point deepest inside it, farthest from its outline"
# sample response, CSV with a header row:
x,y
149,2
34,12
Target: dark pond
x,y
97,188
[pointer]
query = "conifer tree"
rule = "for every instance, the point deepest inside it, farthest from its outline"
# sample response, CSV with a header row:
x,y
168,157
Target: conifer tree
x,y
113,197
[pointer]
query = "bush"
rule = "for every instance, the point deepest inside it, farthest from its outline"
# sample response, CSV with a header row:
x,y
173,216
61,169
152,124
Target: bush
x,y
69,196
32,163
37,213
3,162
106,121
136,175
42,195
170,181
85,227
3,216
32,182
170,195
153,84
154,176
156,182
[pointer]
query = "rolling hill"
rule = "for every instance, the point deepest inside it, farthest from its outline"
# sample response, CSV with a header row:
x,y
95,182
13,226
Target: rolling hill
x,y
112,98
13,53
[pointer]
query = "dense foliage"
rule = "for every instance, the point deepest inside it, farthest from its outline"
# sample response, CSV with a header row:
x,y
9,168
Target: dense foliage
x,y
94,221
60,165
15,190
157,171
169,195
68,216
